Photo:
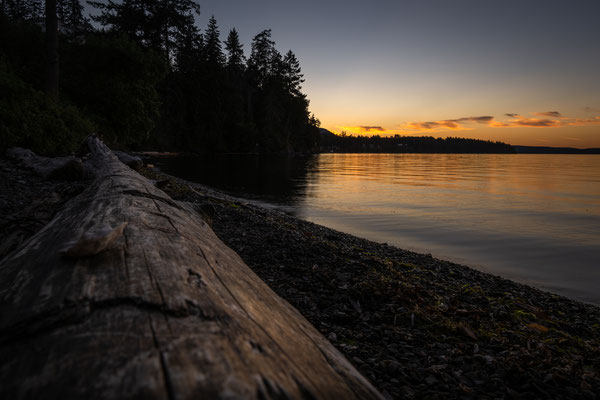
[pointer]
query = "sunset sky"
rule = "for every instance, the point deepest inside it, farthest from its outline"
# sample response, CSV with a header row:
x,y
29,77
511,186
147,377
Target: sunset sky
x,y
524,72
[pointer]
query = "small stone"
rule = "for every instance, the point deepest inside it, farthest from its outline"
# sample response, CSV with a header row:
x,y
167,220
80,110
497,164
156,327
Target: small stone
x,y
332,337
431,380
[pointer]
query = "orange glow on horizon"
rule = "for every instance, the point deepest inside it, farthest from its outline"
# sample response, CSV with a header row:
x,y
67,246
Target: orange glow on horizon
x,y
566,131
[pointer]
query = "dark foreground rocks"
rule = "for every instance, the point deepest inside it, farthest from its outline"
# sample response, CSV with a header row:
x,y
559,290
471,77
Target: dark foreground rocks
x,y
416,326
28,202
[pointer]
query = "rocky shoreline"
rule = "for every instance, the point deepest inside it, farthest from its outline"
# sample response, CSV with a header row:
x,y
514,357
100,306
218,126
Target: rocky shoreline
x,y
417,327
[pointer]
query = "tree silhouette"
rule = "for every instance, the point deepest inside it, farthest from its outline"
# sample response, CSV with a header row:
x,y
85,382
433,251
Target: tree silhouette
x,y
158,24
235,52
292,76
264,59
212,44
149,77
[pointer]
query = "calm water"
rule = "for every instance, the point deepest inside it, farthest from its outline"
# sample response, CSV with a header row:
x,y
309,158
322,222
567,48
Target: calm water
x,y
531,218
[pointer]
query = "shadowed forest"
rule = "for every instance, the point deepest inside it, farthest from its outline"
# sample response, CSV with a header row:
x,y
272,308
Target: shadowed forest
x,y
142,75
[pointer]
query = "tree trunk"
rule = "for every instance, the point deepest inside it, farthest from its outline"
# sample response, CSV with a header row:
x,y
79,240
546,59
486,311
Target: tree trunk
x,y
166,311
51,50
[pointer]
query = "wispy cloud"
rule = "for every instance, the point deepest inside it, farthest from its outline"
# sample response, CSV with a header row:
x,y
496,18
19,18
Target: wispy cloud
x,y
554,114
369,128
363,129
480,120
585,121
433,125
536,122
552,119
445,124
591,109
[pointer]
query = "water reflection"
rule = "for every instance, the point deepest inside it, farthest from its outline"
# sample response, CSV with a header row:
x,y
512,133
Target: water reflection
x,y
275,179
533,218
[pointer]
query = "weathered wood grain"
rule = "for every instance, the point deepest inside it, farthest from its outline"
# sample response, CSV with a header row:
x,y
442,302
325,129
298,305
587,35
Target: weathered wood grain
x,y
166,312
48,167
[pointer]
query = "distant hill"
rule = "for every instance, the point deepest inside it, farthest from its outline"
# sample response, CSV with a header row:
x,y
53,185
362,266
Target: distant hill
x,y
554,150
330,142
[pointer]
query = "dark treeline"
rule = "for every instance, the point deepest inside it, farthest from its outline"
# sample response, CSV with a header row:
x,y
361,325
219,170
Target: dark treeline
x,y
331,142
143,75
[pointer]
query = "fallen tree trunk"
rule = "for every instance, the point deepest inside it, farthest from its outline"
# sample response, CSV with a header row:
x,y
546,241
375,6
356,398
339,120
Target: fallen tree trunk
x,y
166,311
70,168
132,162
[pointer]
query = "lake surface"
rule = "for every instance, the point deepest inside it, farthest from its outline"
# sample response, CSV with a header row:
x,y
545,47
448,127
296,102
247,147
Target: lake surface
x,y
533,218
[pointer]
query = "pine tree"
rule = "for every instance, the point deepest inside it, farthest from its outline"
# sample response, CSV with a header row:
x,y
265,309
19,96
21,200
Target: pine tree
x,y
157,24
235,52
292,76
264,61
212,47
189,50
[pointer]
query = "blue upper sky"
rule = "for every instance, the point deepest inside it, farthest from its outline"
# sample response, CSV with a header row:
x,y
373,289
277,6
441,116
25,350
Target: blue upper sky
x,y
430,66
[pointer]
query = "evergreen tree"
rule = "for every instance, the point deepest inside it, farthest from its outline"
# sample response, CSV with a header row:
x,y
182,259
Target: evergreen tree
x,y
264,59
189,50
292,76
212,47
157,24
235,52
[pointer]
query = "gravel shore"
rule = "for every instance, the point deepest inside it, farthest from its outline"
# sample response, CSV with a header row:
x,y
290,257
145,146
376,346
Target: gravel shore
x,y
416,326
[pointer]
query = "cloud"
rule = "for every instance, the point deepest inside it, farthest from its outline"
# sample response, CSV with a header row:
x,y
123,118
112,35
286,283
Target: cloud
x,y
557,120
554,119
554,114
536,123
363,129
452,124
480,120
369,128
498,124
433,125
518,120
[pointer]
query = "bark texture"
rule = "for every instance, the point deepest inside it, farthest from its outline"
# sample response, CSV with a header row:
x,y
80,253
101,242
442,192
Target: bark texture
x,y
167,311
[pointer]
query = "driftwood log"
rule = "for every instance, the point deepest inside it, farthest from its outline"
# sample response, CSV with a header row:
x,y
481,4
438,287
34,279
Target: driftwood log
x,y
133,162
165,311
48,167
